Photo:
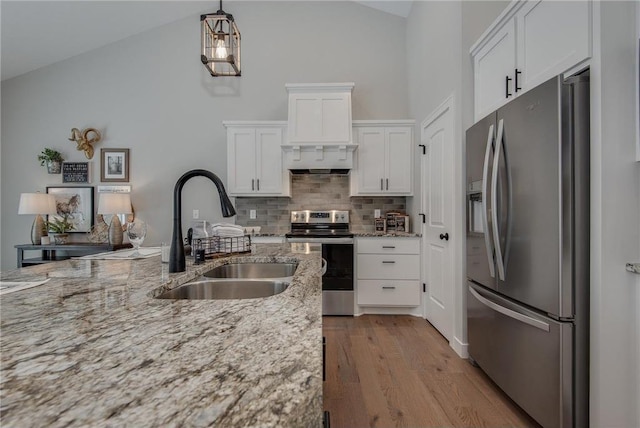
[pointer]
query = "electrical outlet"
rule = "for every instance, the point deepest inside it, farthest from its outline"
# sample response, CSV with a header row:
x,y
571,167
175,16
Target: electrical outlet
x,y
376,213
196,214
252,214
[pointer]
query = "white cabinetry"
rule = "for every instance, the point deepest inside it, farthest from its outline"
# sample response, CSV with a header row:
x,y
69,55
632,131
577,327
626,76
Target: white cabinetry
x,y
388,272
319,113
254,159
530,42
384,161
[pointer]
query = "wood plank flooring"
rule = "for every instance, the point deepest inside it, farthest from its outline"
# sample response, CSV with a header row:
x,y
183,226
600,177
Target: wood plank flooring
x,y
398,371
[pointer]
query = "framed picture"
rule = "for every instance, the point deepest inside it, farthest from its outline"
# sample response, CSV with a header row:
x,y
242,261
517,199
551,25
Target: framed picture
x,y
114,165
74,203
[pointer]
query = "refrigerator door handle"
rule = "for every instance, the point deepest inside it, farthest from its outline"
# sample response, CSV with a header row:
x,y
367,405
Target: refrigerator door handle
x,y
485,221
510,313
494,199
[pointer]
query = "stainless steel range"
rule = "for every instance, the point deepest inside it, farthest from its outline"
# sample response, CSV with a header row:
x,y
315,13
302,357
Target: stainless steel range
x,y
331,229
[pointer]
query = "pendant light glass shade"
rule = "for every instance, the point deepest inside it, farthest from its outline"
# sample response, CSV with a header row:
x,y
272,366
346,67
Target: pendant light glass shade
x,y
220,44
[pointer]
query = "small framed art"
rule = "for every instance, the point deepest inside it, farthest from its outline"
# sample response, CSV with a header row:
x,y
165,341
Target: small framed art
x,y
114,165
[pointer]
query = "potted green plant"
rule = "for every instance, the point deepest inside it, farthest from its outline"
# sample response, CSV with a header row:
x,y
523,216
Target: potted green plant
x,y
58,228
53,159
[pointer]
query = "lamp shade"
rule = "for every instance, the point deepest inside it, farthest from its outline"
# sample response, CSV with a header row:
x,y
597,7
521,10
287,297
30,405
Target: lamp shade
x,y
37,203
114,203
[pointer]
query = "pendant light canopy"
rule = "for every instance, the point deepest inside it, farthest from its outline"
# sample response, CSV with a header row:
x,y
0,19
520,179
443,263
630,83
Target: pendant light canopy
x,y
220,44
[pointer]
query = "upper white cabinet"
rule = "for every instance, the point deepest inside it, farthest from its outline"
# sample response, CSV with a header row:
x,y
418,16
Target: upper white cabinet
x,y
493,64
384,161
319,113
254,159
530,42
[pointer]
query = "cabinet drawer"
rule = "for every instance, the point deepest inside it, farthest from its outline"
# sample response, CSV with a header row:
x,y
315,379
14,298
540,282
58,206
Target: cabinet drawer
x,y
392,266
388,246
388,293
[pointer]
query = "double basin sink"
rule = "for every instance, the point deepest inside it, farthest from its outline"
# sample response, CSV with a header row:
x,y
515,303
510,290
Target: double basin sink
x,y
236,281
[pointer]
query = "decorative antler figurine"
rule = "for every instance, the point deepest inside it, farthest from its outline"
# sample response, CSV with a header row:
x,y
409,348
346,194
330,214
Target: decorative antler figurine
x,y
83,140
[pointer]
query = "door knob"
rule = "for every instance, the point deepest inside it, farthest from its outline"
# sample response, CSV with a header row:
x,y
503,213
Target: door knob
x,y
445,236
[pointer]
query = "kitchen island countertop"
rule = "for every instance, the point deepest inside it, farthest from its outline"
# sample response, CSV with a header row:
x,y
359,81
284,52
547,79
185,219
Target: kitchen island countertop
x,y
93,347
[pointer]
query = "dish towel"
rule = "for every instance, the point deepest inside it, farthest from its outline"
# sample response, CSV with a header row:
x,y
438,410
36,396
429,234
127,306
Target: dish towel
x,y
227,230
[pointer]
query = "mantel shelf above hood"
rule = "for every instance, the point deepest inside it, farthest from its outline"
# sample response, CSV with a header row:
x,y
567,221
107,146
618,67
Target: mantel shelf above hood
x,y
318,157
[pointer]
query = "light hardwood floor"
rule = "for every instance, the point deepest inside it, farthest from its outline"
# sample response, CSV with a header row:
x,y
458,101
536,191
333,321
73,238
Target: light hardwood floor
x,y
398,371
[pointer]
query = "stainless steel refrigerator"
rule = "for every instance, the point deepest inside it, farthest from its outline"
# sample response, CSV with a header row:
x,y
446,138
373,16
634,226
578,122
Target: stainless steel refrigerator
x,y
528,250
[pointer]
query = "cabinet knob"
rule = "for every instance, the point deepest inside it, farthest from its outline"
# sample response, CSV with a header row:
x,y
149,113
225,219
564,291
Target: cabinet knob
x,y
444,236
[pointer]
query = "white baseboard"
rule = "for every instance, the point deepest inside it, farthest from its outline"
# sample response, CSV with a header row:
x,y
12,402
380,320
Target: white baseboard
x,y
462,349
413,311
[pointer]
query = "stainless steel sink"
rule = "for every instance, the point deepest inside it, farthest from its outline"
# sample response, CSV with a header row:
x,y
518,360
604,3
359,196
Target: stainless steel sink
x,y
253,270
226,289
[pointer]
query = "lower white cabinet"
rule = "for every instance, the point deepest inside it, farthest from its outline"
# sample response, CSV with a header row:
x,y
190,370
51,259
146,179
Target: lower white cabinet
x,y
372,292
388,272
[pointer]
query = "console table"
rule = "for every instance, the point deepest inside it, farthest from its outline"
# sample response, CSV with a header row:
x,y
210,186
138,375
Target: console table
x,y
48,252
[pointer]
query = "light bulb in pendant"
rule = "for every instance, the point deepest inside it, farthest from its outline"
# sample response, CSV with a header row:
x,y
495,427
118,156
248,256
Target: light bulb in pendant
x,y
220,50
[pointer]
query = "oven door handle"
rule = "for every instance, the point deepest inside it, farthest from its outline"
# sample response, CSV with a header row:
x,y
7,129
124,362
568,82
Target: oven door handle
x,y
324,266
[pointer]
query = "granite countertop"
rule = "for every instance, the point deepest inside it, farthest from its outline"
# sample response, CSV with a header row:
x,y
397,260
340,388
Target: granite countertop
x,y
93,347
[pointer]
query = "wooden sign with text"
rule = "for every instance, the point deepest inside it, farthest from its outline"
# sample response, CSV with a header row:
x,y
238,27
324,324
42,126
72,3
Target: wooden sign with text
x,y
75,172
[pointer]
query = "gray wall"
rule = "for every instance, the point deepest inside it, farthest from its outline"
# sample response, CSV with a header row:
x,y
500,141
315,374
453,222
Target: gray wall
x,y
615,220
439,35
150,93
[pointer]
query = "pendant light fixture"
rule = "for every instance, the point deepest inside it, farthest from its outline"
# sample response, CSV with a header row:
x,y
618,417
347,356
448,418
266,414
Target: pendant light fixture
x,y
220,44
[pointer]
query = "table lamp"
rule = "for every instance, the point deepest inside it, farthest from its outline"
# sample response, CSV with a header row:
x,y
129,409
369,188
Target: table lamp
x,y
114,203
37,203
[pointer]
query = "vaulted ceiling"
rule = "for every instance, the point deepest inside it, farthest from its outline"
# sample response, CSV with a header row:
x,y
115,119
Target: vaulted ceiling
x,y
35,34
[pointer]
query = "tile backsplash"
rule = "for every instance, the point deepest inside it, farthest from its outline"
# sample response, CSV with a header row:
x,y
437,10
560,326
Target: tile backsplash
x,y
315,192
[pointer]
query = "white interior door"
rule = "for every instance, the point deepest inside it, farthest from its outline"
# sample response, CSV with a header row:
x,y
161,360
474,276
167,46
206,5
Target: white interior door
x,y
437,135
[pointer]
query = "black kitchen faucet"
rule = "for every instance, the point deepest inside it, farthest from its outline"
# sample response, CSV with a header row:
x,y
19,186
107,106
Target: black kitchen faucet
x,y
176,257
